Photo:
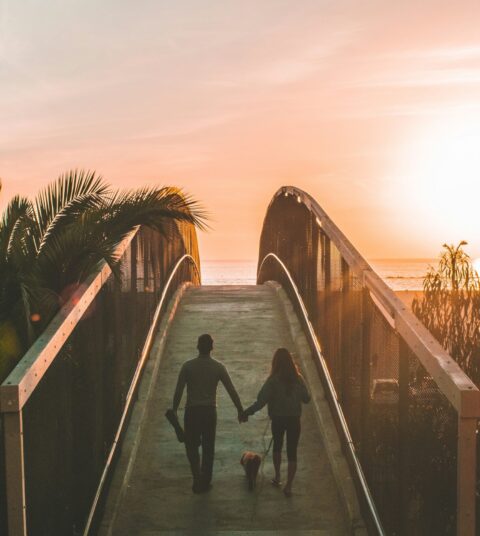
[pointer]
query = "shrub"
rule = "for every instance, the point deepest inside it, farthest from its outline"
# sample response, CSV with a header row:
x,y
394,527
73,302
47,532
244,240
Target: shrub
x,y
450,307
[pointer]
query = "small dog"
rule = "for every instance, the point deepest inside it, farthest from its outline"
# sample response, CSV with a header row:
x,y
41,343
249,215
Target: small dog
x,y
251,463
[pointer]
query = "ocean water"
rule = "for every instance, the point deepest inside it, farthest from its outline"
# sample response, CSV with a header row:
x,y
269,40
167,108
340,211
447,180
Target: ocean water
x,y
403,274
229,272
399,274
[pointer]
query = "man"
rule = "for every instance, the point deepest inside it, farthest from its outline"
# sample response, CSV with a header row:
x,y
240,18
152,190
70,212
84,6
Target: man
x,y
201,376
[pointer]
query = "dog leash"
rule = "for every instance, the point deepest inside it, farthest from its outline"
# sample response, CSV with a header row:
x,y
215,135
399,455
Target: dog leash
x,y
266,450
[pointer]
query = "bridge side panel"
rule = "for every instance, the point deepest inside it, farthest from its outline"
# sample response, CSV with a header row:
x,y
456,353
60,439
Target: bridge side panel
x,y
403,427
72,417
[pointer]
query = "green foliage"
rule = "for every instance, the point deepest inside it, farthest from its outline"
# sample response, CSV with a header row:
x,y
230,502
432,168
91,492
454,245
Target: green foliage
x,y
450,307
53,243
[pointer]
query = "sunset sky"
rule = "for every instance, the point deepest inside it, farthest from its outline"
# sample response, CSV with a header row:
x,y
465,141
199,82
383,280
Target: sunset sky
x,y
373,107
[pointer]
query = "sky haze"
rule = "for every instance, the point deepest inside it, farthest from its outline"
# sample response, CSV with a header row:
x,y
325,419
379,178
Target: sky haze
x,y
372,107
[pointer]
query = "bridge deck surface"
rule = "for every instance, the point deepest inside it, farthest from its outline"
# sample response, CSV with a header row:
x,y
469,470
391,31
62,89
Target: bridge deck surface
x,y
247,324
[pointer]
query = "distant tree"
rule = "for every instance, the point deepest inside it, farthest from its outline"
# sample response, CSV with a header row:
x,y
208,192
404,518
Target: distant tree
x,y
61,237
450,307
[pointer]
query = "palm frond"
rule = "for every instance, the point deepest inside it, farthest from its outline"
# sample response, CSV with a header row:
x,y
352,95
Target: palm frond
x,y
73,253
52,199
17,210
71,214
152,207
74,226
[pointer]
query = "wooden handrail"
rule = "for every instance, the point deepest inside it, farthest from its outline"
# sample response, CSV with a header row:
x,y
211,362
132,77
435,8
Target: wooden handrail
x,y
24,378
457,387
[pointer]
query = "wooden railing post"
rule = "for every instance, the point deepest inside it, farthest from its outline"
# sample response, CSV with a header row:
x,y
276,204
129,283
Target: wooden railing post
x,y
133,264
466,475
403,433
345,333
365,377
15,473
326,331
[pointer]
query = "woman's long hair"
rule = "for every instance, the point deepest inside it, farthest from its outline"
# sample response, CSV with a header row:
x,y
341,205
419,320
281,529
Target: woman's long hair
x,y
285,368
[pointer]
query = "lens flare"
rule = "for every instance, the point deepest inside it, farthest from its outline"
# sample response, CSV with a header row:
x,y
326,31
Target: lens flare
x,y
10,348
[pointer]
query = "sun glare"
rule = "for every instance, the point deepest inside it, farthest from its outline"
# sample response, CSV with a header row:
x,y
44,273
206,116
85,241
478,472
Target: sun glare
x,y
476,265
441,177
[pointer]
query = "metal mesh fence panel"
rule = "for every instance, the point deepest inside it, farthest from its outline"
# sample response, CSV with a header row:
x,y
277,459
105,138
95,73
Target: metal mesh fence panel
x,y
332,321
380,412
428,453
351,352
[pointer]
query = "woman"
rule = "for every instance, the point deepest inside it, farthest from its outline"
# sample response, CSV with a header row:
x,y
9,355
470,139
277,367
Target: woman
x,y
284,392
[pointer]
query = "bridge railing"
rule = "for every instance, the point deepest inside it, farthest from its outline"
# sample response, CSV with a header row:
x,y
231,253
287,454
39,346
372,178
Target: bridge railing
x,y
65,405
410,410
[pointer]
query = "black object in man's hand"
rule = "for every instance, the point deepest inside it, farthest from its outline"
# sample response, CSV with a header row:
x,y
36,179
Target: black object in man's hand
x,y
173,420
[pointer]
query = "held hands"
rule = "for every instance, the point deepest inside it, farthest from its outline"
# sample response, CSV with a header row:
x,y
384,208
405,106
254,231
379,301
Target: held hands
x,y
242,416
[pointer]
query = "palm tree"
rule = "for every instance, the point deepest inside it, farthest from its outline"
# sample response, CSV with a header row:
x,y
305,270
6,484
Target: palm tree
x,y
61,237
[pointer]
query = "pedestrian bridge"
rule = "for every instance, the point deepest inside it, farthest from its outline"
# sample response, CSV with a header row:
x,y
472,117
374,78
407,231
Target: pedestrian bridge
x,y
152,489
87,448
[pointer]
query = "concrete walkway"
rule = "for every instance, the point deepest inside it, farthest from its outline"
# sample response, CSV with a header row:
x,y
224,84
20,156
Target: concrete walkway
x,y
153,496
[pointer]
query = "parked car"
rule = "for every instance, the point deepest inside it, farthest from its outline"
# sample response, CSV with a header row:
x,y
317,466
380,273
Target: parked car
x,y
384,391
